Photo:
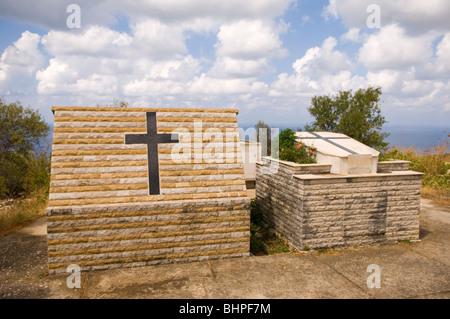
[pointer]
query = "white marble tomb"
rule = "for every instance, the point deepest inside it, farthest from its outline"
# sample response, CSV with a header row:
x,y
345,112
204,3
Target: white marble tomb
x,y
346,155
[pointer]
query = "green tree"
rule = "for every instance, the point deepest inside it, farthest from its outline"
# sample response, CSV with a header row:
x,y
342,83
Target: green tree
x,y
21,132
38,172
357,115
21,129
13,169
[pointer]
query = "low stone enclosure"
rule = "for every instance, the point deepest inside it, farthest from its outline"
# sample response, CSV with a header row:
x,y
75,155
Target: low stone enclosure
x,y
312,208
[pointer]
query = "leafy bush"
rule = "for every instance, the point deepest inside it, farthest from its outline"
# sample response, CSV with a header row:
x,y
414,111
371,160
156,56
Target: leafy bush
x,y
38,173
293,151
13,167
287,138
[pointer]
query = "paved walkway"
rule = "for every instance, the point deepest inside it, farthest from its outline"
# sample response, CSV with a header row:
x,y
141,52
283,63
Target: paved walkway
x,y
420,270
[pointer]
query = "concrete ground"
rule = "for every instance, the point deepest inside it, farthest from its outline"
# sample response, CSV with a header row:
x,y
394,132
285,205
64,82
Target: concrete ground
x,y
419,270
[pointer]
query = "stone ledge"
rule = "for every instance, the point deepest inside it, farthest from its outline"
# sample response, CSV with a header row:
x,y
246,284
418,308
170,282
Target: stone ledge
x,y
388,166
140,109
353,177
298,168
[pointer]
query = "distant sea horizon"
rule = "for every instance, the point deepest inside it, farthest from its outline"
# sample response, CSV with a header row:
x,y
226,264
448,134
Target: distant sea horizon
x,y
421,138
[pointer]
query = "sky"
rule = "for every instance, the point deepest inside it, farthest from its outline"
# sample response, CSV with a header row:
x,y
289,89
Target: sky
x,y
267,58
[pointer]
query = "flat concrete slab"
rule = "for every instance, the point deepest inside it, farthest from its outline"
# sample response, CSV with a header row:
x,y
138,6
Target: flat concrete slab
x,y
283,276
434,232
417,270
404,274
184,281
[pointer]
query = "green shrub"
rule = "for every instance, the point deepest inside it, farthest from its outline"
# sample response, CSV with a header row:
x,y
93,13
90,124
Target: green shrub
x,y
38,173
13,168
287,138
295,151
22,175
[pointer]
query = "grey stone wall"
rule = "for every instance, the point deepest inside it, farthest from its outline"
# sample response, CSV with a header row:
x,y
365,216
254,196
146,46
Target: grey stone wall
x,y
311,208
389,166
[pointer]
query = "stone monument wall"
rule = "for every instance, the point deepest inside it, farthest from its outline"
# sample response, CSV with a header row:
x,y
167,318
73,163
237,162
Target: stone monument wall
x,y
101,213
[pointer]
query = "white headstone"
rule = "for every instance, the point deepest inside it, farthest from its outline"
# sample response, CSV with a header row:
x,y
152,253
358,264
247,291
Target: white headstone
x,y
346,155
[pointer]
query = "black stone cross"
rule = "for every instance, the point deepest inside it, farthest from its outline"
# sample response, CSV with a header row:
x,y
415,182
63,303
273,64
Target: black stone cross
x,y
329,140
152,139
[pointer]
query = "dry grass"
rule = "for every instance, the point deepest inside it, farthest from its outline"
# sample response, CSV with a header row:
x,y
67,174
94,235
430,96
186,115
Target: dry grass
x,y
435,164
441,196
22,213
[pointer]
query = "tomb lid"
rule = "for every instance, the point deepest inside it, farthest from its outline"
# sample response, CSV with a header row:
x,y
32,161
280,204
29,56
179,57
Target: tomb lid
x,y
335,144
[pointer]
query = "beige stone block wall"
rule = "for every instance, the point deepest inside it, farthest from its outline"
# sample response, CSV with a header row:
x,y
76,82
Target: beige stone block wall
x,y
323,210
100,213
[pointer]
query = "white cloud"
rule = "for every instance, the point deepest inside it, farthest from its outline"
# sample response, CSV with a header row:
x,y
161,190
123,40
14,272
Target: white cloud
x,y
245,49
226,67
249,40
415,16
392,48
150,37
331,11
52,14
402,56
154,62
101,61
175,10
19,62
442,64
102,76
93,41
163,78
323,60
158,39
322,70
389,80
213,86
153,59
352,35
63,77
55,78
43,13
